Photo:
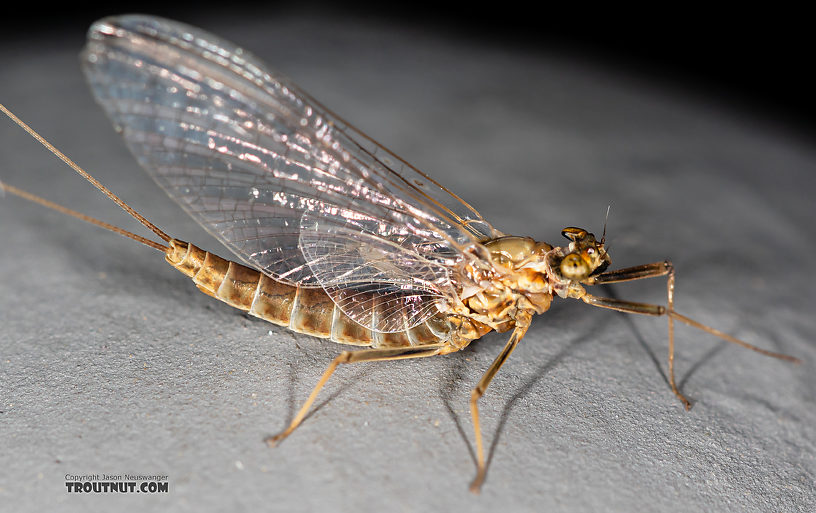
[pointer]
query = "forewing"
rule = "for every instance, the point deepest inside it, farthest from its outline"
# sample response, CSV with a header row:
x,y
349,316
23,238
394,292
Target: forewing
x,y
249,155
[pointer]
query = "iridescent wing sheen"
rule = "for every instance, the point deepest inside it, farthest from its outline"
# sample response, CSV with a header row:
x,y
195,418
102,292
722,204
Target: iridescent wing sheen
x,y
287,185
396,278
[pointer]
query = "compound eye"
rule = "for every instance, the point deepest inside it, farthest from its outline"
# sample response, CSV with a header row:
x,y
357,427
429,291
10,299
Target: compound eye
x,y
573,233
574,267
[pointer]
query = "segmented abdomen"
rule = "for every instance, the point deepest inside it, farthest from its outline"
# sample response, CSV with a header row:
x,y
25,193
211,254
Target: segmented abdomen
x,y
305,310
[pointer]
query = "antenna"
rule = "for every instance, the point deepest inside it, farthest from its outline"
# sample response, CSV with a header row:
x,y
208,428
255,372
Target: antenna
x,y
603,236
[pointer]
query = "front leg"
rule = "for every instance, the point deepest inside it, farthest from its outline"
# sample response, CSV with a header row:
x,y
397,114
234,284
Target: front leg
x,y
638,272
652,271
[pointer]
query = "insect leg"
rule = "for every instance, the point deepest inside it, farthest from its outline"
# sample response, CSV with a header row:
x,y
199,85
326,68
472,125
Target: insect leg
x,y
366,355
638,272
479,391
658,310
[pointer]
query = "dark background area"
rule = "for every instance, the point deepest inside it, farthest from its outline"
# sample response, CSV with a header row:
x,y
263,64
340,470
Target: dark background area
x,y
755,61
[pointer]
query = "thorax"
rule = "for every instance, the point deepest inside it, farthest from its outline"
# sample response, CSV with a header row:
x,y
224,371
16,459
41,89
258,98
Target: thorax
x,y
505,277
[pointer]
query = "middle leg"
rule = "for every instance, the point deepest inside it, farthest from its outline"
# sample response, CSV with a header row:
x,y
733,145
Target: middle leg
x,y
522,323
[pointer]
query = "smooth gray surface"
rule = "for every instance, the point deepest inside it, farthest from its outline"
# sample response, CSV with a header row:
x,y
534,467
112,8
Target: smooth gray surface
x,y
111,361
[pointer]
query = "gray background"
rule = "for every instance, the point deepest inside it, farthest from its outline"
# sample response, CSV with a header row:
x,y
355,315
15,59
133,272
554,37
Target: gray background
x,y
112,362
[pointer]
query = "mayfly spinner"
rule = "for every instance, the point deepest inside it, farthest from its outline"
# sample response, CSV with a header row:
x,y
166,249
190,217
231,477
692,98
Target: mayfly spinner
x,y
338,237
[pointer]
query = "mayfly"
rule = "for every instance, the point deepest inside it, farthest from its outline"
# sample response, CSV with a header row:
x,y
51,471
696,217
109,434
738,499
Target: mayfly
x,y
338,237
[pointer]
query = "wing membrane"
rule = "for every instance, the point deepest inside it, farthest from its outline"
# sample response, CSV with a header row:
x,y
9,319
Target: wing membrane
x,y
255,160
373,280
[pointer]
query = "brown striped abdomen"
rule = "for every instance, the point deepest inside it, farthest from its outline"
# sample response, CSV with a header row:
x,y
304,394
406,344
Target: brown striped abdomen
x,y
305,310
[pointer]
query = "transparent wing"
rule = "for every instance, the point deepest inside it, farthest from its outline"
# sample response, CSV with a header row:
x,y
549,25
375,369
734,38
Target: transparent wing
x,y
393,282
268,170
